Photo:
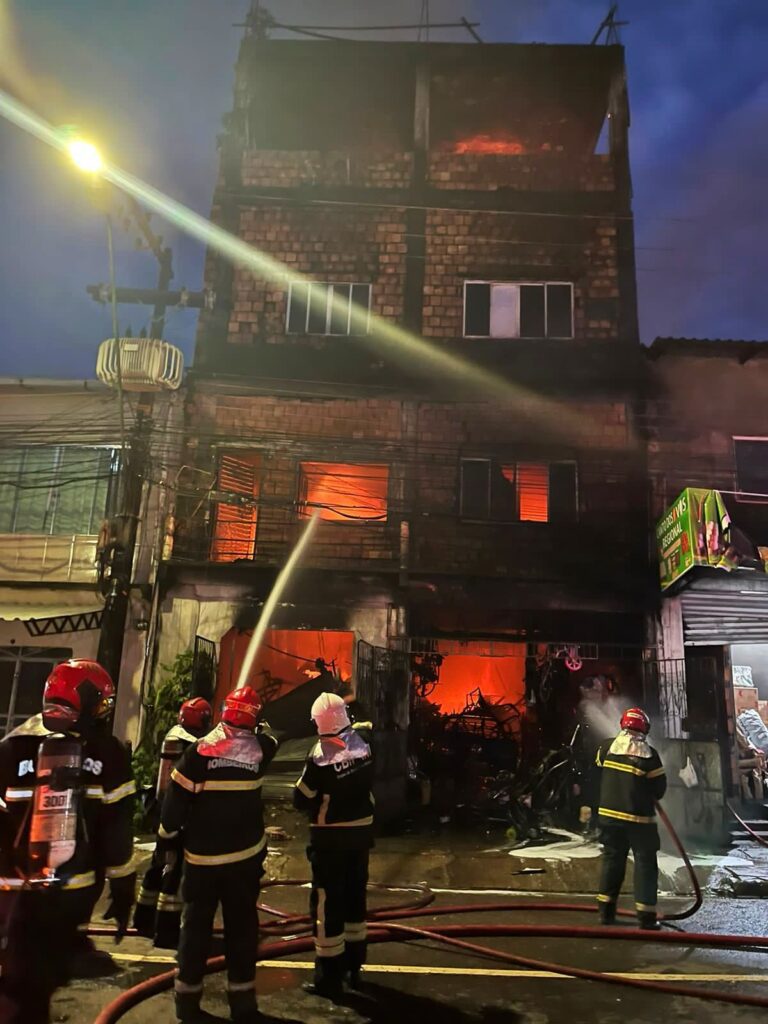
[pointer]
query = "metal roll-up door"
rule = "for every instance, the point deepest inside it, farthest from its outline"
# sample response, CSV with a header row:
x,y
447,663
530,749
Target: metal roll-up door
x,y
725,617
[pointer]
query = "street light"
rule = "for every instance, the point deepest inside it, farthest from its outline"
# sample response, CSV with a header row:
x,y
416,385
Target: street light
x,y
85,156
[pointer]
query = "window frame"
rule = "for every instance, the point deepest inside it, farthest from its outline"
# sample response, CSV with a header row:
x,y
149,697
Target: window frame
x,y
330,285
492,461
302,503
747,497
518,284
54,486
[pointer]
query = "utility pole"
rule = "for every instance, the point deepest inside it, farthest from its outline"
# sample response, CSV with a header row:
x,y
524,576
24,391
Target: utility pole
x,y
117,556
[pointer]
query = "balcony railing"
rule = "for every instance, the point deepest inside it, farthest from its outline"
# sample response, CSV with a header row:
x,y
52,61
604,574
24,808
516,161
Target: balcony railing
x,y
38,558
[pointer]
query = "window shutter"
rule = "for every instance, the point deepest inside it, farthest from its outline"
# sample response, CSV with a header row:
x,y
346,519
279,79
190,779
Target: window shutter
x,y
474,488
562,492
235,527
533,492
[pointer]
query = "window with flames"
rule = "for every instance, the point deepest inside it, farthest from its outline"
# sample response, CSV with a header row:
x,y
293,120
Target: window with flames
x,y
341,492
509,492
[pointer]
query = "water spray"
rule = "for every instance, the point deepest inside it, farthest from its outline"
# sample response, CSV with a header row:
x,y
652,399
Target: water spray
x,y
274,596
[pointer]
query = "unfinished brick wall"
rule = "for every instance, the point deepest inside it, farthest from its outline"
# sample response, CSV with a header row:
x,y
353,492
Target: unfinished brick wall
x,y
595,435
423,445
328,244
463,245
293,168
540,172
696,405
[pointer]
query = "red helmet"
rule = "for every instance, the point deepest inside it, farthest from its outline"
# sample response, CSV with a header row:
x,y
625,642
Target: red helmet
x,y
636,720
195,714
76,689
242,708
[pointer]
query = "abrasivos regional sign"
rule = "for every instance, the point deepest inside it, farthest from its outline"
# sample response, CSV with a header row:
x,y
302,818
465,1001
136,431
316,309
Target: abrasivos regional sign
x,y
675,536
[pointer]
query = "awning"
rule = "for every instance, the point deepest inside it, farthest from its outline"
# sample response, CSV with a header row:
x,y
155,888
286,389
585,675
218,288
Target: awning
x,y
21,604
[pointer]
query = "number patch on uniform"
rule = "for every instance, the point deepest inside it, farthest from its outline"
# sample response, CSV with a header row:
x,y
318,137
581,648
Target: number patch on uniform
x,y
95,767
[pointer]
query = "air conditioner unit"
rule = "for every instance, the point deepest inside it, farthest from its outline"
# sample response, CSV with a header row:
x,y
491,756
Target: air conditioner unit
x,y
146,364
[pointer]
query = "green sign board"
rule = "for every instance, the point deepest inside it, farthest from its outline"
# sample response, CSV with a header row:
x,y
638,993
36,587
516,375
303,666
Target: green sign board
x,y
676,540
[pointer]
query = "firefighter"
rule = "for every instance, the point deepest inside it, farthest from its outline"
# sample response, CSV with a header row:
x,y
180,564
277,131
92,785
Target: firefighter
x,y
213,812
158,908
67,821
335,791
632,780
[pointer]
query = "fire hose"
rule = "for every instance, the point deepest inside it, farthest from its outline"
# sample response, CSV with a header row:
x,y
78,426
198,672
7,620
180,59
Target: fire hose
x,y
384,929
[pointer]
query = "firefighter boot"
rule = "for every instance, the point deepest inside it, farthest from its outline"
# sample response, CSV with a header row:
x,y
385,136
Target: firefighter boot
x,y
607,913
243,1007
189,1011
648,921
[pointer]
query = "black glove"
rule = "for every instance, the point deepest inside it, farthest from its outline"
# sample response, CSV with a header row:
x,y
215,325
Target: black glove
x,y
122,893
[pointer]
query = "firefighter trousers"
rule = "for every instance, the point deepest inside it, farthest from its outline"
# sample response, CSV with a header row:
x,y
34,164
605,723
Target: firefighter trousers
x,y
38,931
236,888
617,841
338,910
158,909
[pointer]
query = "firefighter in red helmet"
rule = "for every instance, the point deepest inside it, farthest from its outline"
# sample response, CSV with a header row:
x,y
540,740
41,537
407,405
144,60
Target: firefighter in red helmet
x,y
632,780
158,907
67,815
213,809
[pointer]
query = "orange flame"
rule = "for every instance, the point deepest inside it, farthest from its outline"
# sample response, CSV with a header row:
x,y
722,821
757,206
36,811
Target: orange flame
x,y
489,144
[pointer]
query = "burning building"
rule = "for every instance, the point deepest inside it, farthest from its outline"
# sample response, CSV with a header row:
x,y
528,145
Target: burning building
x,y
441,357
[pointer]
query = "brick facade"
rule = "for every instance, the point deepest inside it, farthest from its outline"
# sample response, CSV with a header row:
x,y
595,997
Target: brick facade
x,y
415,213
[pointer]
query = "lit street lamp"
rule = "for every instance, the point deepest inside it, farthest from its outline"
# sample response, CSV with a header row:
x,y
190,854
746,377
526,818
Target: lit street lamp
x,y
85,156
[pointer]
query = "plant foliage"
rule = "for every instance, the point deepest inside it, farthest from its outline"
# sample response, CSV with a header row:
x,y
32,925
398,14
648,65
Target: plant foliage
x,y
161,709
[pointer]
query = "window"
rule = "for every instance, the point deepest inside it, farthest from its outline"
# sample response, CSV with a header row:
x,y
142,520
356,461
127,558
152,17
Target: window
x,y
234,535
23,672
59,490
502,310
752,469
344,492
510,492
328,308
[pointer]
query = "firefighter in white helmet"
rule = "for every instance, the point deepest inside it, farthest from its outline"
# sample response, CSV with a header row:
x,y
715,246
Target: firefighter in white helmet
x,y
67,822
335,791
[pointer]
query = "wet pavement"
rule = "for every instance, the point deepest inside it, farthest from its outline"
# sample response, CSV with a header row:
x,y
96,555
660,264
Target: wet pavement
x,y
418,982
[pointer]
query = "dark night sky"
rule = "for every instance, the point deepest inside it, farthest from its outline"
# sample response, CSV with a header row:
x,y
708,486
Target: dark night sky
x,y
152,79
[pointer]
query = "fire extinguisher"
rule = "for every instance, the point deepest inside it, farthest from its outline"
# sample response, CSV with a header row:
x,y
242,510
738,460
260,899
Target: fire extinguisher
x,y
170,752
53,829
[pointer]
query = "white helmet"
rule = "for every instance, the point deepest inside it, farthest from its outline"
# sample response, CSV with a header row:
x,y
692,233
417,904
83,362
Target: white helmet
x,y
330,714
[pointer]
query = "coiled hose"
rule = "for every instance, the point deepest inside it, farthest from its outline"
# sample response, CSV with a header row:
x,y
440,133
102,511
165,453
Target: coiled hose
x,y
385,929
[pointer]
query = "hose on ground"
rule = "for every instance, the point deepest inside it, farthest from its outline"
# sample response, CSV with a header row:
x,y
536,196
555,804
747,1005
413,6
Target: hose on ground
x,y
453,935
386,930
